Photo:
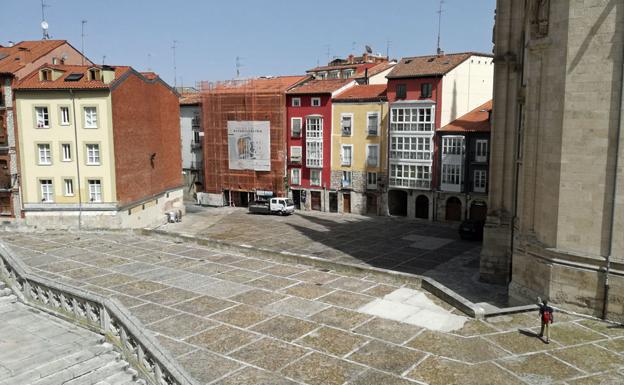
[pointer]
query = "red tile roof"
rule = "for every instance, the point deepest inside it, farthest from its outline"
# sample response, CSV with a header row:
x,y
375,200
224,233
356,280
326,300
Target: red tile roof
x,y
258,85
381,67
12,59
477,120
374,92
190,98
149,75
32,82
315,86
432,65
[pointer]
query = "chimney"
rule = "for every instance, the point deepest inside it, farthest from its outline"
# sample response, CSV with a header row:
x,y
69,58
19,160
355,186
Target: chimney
x,y
365,57
351,59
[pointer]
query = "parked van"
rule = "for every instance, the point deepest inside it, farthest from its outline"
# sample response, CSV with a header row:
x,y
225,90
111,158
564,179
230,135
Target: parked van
x,y
281,206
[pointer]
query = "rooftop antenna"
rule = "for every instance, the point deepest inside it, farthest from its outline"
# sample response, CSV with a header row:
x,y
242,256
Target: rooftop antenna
x,y
44,23
328,52
353,47
82,36
239,64
388,43
175,69
440,10
103,59
149,61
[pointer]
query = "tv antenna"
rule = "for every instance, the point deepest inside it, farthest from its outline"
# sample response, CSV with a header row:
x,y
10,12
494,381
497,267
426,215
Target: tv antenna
x,y
388,43
103,59
149,61
44,23
175,69
440,10
239,65
328,47
82,36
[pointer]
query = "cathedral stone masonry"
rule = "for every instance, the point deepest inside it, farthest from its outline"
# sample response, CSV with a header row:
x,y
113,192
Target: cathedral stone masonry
x,y
555,224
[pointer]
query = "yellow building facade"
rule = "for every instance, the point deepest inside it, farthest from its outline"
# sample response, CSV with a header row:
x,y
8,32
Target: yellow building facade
x,y
359,150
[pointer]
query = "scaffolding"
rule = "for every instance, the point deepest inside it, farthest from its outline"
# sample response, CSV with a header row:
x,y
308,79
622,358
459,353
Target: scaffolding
x,y
261,99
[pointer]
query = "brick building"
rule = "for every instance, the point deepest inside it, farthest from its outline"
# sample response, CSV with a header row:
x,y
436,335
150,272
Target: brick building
x,y
99,147
244,124
17,61
309,119
424,94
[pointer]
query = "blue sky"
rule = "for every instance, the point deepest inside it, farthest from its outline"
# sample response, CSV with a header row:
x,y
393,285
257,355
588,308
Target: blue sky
x,y
272,37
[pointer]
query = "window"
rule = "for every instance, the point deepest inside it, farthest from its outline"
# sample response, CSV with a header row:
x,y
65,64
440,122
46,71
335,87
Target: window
x,y
94,74
296,102
372,155
373,123
42,117
314,142
346,123
64,116
90,116
410,147
295,176
371,180
347,155
66,150
411,176
316,102
451,174
481,152
425,90
95,190
416,119
69,187
93,154
452,145
47,190
315,177
480,180
295,127
334,74
321,75
401,91
295,154
347,178
45,154
46,75
346,74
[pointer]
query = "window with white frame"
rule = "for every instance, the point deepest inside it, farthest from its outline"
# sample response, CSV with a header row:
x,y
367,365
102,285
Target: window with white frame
x,y
93,154
346,74
372,155
347,177
64,116
346,154
346,123
451,174
316,102
480,180
295,176
410,147
415,119
334,74
95,190
371,180
372,119
295,127
66,149
411,176
453,145
47,190
315,177
90,117
69,187
481,150
42,117
296,102
314,142
295,154
45,153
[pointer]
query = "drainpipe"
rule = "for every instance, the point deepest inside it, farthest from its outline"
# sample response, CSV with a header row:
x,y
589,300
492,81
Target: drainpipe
x,y
71,93
614,192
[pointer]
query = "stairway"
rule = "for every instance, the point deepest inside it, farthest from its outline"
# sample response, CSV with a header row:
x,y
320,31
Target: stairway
x,y
39,349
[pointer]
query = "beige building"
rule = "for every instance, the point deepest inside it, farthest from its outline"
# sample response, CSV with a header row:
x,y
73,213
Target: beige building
x,y
555,224
89,155
359,157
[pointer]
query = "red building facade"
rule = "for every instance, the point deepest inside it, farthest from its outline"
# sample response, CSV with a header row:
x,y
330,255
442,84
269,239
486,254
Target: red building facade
x,y
309,127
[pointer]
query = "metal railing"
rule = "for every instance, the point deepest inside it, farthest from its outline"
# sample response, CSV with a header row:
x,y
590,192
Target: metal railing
x,y
102,315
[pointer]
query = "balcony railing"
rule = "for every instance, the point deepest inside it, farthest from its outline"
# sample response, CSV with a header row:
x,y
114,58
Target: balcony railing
x,y
410,183
196,145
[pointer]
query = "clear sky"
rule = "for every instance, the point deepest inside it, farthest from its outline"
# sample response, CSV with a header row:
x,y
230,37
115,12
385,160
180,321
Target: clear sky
x,y
271,37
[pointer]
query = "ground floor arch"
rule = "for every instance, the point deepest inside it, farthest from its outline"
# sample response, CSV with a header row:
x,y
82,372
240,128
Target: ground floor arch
x,y
397,202
453,209
422,207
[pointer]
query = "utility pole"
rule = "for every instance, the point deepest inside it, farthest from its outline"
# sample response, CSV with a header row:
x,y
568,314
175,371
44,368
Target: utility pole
x,y
82,36
439,50
175,69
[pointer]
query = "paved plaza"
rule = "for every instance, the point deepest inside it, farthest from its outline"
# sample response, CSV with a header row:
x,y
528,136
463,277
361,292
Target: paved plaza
x,y
231,319
420,247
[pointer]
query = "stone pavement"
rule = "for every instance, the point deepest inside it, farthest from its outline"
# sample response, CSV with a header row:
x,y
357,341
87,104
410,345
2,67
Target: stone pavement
x,y
412,246
231,319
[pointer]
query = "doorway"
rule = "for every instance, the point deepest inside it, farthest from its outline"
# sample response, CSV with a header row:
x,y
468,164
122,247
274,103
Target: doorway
x,y
422,207
453,209
315,200
333,202
478,210
346,202
297,198
397,202
371,204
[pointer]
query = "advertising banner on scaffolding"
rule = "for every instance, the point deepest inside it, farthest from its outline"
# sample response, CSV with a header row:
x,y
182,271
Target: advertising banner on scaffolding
x,y
249,145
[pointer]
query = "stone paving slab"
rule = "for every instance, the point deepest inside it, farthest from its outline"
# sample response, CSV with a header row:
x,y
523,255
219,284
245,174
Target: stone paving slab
x,y
276,323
